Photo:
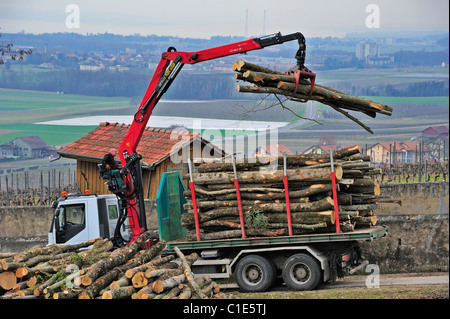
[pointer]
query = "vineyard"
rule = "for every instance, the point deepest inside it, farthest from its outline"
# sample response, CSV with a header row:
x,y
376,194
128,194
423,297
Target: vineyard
x,y
426,171
36,187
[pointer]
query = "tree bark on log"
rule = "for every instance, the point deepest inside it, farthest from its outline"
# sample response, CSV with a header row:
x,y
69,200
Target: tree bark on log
x,y
229,234
118,257
242,66
188,273
298,175
119,293
159,286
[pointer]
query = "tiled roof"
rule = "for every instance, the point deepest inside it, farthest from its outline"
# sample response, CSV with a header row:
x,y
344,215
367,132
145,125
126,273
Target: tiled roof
x,y
440,129
155,145
277,150
401,146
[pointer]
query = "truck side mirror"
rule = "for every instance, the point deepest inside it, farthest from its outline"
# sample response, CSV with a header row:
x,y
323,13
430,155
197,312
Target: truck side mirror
x,y
54,204
57,223
56,220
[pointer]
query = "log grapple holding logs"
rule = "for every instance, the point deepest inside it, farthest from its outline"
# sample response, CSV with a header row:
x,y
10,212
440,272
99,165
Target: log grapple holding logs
x,y
267,81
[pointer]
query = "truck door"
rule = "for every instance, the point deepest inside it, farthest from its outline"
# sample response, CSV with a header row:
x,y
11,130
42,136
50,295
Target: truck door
x,y
113,216
70,223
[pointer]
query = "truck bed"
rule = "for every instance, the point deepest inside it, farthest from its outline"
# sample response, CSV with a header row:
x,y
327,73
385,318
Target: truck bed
x,y
367,235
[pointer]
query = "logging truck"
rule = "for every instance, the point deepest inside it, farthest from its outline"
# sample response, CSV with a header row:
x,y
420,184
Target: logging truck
x,y
302,261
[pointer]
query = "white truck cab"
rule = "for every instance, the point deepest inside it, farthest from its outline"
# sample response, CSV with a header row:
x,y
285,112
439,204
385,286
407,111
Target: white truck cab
x,y
79,218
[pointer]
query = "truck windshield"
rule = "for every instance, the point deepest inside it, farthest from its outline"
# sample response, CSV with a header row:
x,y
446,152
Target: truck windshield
x,y
72,215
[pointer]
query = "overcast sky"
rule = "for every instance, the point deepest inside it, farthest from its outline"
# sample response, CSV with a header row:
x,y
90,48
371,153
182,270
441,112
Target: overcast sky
x,y
203,19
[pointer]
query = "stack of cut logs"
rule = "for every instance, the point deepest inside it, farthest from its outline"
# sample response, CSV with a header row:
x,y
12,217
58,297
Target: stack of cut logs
x,y
101,272
267,81
263,196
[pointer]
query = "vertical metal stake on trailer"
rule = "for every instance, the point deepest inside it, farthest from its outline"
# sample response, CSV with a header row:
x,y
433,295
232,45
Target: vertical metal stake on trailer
x,y
286,194
333,181
194,201
238,196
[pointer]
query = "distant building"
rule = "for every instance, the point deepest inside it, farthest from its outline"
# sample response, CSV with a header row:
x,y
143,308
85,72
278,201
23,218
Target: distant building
x,y
273,150
370,54
436,131
321,149
27,146
91,66
400,152
365,50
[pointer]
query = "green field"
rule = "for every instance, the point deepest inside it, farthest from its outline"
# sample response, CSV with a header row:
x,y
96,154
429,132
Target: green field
x,y
19,110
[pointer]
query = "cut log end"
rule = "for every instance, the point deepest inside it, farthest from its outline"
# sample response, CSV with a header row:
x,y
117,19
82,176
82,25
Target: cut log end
x,y
107,295
86,281
8,280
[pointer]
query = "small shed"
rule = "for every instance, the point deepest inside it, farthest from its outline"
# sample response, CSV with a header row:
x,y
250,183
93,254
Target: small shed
x,y
162,150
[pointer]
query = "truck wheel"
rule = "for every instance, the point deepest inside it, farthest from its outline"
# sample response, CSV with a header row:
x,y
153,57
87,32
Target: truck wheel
x,y
301,272
255,273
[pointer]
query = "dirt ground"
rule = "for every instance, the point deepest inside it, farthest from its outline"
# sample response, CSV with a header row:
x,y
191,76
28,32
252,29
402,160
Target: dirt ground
x,y
392,286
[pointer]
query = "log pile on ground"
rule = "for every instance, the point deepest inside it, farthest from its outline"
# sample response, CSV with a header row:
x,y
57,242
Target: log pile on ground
x,y
267,81
101,272
263,196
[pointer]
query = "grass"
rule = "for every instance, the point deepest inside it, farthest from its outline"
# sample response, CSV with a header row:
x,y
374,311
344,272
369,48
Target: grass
x,y
51,134
20,109
384,292
19,106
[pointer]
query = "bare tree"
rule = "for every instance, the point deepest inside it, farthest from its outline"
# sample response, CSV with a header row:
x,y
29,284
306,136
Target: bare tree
x,y
7,50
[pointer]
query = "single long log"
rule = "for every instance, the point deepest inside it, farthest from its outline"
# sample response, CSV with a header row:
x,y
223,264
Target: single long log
x,y
188,273
343,98
228,234
297,175
303,217
242,66
53,249
159,286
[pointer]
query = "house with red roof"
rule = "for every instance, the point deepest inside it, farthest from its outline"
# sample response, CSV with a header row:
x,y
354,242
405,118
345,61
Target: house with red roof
x,y
273,150
403,152
436,131
162,150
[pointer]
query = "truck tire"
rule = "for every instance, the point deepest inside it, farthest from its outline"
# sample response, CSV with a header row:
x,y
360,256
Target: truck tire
x,y
255,273
301,272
